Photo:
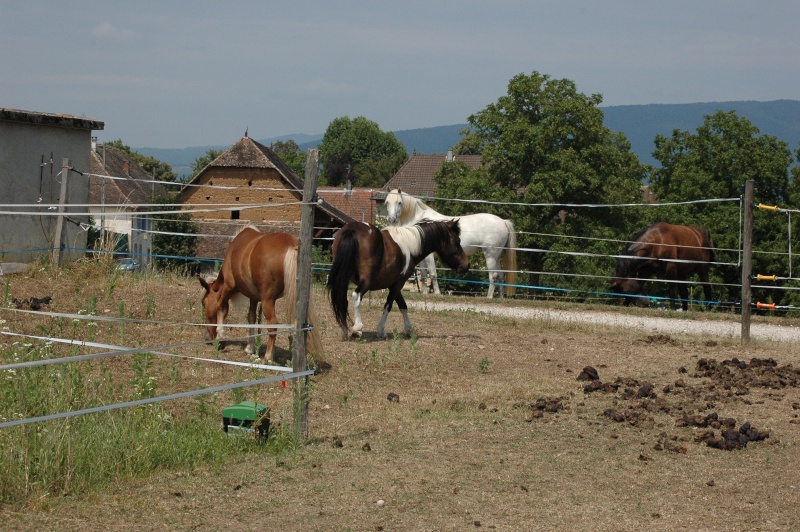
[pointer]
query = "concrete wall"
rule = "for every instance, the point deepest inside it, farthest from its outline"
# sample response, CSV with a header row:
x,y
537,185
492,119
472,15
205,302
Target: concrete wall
x,y
23,180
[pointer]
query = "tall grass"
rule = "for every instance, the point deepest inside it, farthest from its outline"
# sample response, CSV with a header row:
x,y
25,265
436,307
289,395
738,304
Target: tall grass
x,y
84,453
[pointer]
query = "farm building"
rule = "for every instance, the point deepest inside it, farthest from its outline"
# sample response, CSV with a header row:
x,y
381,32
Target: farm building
x,y
33,145
250,184
118,190
416,177
358,203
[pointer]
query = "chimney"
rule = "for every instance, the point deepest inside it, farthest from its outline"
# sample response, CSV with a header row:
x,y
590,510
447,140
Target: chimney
x,y
94,144
449,158
127,168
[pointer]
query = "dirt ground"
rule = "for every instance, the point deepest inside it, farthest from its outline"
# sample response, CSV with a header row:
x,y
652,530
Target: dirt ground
x,y
480,422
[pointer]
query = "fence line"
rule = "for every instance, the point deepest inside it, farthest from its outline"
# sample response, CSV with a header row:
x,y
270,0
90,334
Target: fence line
x,y
158,399
230,207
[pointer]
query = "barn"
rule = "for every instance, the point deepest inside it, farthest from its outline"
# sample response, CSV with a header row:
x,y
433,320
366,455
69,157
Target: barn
x,y
250,184
32,147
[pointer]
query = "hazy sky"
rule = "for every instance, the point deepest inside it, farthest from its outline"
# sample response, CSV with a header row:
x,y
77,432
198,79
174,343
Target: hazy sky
x,y
174,74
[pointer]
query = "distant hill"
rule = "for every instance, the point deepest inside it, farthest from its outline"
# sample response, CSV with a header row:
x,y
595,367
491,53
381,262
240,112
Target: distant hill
x,y
639,123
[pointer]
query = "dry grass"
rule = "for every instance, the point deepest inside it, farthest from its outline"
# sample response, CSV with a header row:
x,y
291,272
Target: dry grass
x,y
462,448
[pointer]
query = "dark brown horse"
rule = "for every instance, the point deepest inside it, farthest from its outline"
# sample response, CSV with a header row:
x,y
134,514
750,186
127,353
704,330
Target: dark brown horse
x,y
672,251
375,259
263,268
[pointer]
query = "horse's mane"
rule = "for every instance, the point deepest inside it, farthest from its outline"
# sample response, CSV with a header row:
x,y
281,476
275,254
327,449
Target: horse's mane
x,y
411,237
626,266
436,229
246,226
411,206
408,237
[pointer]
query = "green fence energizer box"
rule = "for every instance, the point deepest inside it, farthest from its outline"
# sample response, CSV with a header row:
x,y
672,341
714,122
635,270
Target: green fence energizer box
x,y
247,416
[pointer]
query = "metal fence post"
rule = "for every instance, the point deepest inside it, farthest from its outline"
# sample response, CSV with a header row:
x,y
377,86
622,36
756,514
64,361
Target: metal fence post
x,y
747,259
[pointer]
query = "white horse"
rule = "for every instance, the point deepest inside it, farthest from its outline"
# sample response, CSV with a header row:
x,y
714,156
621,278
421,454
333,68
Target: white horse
x,y
491,234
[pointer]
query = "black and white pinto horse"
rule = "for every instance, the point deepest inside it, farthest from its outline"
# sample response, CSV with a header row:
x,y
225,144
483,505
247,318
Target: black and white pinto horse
x,y
374,260
486,232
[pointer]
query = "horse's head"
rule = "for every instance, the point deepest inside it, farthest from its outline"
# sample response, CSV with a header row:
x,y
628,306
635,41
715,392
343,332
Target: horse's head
x,y
624,280
451,251
211,305
394,206
625,285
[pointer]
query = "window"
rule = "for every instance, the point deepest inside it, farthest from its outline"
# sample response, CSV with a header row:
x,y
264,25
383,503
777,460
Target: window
x,y
234,215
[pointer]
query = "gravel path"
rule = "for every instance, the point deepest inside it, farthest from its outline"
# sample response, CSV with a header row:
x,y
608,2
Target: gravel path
x,y
719,328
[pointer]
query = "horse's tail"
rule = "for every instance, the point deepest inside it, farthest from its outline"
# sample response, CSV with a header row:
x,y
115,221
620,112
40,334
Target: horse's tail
x,y
709,244
290,296
344,264
510,259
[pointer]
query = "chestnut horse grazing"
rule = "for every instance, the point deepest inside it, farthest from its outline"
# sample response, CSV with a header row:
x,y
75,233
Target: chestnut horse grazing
x,y
263,268
672,251
375,259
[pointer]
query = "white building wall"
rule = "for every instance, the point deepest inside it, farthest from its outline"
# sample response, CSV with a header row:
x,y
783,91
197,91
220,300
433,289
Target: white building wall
x,y
24,180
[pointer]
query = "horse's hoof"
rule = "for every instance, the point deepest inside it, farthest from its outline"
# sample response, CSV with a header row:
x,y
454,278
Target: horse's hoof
x,y
355,334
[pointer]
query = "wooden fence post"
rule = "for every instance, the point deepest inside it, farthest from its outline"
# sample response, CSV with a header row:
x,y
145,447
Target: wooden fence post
x,y
62,199
747,259
299,357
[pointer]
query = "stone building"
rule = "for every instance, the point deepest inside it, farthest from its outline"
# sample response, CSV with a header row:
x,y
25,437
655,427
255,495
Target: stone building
x,y
250,184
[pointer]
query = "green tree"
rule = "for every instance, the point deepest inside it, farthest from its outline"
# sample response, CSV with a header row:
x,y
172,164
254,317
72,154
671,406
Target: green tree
x,y
290,153
177,248
357,149
163,171
545,143
715,162
468,144
203,161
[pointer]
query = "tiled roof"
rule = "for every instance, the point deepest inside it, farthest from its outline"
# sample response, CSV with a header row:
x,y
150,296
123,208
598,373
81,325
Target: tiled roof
x,y
247,153
416,176
358,203
118,191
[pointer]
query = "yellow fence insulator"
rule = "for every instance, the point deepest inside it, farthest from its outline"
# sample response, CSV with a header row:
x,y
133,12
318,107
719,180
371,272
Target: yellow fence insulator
x,y
760,277
772,208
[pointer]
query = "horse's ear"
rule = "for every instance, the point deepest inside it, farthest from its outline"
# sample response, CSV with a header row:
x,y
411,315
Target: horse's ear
x,y
454,226
203,283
